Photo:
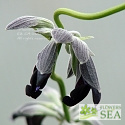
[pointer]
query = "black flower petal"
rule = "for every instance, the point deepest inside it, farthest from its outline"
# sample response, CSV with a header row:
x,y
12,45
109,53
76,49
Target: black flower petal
x,y
89,74
37,81
78,94
34,120
30,92
96,96
31,120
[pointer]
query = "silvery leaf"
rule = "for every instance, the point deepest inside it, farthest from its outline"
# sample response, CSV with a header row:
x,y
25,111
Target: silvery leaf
x,y
30,22
46,32
86,37
88,72
53,95
81,50
34,110
46,58
75,33
49,105
74,112
62,35
69,70
53,106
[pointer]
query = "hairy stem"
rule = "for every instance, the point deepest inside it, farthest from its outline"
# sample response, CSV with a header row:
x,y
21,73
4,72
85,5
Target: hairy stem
x,y
83,16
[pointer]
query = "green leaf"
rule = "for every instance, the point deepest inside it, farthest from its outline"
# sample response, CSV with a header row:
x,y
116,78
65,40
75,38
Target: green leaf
x,y
74,61
86,37
46,32
67,47
75,33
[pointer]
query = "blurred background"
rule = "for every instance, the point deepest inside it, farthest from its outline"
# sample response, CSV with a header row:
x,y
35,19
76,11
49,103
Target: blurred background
x,y
18,53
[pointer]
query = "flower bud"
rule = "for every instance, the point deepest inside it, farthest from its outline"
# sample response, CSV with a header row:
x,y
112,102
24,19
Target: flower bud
x,y
30,22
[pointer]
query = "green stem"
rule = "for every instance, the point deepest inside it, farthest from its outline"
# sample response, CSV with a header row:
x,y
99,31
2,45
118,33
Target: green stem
x,y
86,16
83,16
60,82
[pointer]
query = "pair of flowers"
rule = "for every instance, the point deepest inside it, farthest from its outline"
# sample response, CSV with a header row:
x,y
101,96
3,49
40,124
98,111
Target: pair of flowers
x,y
80,63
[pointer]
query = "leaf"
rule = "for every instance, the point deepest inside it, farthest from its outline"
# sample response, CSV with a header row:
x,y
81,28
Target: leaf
x,y
53,95
46,32
75,33
74,112
46,58
67,47
86,37
78,73
34,109
74,61
50,105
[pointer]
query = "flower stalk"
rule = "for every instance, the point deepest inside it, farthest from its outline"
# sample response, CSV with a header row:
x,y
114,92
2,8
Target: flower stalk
x,y
86,16
60,82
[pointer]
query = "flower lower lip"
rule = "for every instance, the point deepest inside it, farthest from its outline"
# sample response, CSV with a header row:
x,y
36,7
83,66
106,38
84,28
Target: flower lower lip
x,y
37,88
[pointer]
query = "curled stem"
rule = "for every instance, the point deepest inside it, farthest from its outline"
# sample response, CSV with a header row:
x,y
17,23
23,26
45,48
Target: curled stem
x,y
86,16
83,16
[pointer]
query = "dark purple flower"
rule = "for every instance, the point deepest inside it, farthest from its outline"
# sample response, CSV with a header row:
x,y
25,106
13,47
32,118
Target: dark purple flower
x,y
86,79
37,81
31,120
42,71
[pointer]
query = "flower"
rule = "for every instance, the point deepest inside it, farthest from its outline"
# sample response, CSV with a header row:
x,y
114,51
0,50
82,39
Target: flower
x,y
84,69
35,112
86,79
32,120
42,71
30,22
41,25
37,81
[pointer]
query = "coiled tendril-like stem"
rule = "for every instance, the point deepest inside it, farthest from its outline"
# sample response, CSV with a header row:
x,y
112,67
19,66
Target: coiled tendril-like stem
x,y
83,16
